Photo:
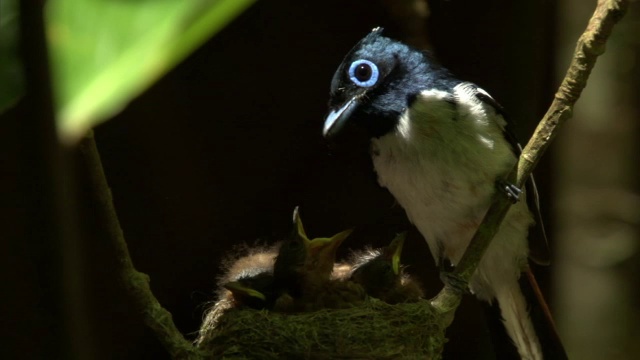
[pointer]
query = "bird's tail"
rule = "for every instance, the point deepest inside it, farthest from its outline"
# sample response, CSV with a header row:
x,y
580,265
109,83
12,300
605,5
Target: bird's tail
x,y
552,347
516,320
528,322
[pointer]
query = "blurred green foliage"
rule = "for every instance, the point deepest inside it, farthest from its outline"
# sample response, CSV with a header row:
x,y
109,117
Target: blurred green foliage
x,y
11,81
106,52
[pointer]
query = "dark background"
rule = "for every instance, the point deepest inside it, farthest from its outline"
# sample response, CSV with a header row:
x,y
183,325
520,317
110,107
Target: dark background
x,y
219,152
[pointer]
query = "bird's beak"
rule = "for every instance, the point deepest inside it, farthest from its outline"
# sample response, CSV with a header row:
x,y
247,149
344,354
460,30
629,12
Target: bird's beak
x,y
337,118
395,250
329,245
324,249
237,288
299,228
338,238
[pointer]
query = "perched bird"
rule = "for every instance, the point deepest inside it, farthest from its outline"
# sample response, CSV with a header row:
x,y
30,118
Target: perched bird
x,y
442,146
381,275
303,268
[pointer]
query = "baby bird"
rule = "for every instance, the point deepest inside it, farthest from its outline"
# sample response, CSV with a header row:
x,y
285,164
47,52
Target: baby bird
x,y
247,282
303,268
379,272
249,279
256,292
289,277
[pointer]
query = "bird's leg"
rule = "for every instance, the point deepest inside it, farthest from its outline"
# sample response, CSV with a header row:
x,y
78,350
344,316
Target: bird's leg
x,y
450,278
513,192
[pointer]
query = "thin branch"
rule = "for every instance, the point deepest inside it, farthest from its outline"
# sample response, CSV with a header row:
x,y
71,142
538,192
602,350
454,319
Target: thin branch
x,y
590,45
155,316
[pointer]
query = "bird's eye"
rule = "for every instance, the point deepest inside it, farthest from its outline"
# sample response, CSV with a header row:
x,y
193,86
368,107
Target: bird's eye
x,y
363,73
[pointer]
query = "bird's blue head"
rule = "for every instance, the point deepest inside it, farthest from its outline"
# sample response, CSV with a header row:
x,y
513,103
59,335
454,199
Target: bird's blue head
x,y
376,82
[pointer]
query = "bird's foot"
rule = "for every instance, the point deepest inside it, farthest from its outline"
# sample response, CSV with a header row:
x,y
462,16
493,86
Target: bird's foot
x,y
451,279
455,282
513,192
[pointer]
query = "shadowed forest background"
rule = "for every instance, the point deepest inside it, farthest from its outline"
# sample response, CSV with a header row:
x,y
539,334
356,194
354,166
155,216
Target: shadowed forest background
x,y
221,149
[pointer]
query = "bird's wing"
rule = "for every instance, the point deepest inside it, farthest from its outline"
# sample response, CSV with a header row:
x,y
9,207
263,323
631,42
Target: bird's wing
x,y
538,243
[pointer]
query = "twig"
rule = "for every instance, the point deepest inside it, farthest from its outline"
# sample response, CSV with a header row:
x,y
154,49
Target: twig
x,y
137,284
590,45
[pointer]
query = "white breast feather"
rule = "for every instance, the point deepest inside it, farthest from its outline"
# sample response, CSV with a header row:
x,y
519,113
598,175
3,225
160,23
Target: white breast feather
x,y
442,169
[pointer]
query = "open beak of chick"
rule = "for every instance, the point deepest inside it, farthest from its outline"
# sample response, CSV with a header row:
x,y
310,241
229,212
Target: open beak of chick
x,y
241,291
321,252
394,250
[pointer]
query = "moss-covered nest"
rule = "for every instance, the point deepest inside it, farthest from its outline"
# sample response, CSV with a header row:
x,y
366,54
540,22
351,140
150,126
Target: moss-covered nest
x,y
371,330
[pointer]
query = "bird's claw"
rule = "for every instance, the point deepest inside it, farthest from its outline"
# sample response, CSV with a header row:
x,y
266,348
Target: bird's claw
x,y
513,192
453,280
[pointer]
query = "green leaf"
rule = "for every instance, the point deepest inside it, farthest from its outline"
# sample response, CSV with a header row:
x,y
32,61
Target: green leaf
x,y
11,78
106,52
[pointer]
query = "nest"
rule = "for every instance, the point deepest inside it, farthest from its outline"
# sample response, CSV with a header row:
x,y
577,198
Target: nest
x,y
371,330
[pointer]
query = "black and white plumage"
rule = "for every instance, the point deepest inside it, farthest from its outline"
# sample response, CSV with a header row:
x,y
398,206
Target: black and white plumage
x,y
439,145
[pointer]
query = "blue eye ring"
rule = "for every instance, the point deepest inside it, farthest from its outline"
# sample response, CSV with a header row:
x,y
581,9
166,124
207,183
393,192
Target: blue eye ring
x,y
363,73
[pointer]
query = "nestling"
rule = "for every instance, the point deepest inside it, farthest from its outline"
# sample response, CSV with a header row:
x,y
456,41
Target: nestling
x,y
381,275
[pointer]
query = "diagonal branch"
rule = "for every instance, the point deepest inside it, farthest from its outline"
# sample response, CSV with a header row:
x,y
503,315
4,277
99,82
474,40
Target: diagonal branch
x,y
137,284
590,45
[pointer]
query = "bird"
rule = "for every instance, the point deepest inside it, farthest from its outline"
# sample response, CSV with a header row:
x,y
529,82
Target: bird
x,y
247,282
293,275
255,292
381,275
248,277
442,146
302,272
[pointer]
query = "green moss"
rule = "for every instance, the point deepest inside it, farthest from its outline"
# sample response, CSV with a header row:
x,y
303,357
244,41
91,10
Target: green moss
x,y
372,330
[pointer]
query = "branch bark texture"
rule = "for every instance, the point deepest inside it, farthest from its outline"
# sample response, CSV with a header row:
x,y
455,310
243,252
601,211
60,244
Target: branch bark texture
x,y
137,284
590,45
